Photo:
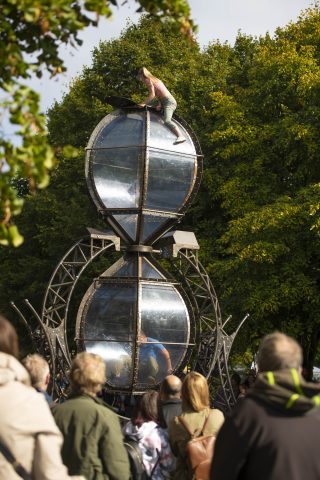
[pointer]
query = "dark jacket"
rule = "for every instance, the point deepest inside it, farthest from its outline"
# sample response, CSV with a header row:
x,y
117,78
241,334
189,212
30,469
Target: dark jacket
x,y
273,433
93,445
170,409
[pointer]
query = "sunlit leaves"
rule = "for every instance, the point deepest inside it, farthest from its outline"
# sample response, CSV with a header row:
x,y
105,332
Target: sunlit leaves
x,y
264,174
31,32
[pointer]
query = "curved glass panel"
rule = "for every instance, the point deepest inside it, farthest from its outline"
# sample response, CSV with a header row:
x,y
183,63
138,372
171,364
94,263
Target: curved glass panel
x,y
110,314
109,322
118,358
124,130
152,365
163,138
164,331
170,178
164,314
116,174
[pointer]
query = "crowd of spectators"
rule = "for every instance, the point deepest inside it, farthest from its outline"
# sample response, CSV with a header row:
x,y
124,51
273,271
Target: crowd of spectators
x,y
271,433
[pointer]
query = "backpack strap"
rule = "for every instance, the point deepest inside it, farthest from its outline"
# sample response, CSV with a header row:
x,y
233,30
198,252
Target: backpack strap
x,y
206,421
19,469
197,432
156,464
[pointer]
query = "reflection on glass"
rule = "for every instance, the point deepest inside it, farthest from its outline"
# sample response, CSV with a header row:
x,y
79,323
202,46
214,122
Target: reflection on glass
x,y
116,175
129,224
152,364
164,315
162,137
128,268
149,271
164,318
151,223
118,358
111,313
124,130
169,181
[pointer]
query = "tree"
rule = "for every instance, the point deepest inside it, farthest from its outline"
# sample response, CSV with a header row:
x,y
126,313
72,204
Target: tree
x,y
255,107
31,33
56,217
264,174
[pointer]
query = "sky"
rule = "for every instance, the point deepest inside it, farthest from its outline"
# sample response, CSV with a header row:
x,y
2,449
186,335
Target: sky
x,y
216,19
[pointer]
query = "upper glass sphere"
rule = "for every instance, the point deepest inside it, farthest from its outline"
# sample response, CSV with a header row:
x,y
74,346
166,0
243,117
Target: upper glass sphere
x,y
138,177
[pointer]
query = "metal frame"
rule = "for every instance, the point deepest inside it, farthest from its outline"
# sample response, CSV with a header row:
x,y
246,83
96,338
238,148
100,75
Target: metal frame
x,y
214,343
206,326
173,217
50,334
138,281
207,330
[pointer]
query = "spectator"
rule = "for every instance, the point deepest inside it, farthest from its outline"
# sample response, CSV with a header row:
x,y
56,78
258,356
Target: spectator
x,y
170,396
145,428
27,430
273,433
244,387
252,375
93,443
38,369
195,410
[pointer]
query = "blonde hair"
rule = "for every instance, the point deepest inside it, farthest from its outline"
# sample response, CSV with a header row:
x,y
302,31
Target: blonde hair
x,y
195,392
38,369
144,72
88,373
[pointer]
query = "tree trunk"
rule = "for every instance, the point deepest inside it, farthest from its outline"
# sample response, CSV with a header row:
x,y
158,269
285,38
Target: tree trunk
x,y
310,345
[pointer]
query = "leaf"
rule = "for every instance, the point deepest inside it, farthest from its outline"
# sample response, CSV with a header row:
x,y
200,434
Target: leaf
x,y
14,236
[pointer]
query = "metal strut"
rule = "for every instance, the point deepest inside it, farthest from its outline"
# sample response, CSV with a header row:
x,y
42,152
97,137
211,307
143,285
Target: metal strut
x,y
214,344
50,336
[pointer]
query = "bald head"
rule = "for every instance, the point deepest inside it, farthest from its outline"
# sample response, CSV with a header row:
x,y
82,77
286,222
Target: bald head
x,y
278,351
170,388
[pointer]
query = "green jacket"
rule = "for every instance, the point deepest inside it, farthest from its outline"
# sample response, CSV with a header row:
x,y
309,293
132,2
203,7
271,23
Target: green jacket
x,y
93,445
179,437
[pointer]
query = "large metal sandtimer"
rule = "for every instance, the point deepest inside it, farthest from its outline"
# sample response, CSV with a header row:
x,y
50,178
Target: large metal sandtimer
x,y
137,318
142,320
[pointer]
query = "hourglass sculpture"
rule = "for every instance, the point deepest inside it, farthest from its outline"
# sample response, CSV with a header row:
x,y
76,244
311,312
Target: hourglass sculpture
x,y
145,322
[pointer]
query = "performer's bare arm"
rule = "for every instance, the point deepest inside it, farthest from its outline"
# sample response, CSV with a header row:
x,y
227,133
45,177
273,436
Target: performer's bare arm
x,y
167,358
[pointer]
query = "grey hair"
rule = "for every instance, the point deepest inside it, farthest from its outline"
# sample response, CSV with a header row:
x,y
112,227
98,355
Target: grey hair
x,y
88,373
38,369
279,351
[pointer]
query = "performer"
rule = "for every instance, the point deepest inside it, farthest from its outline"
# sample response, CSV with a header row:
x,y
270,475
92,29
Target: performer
x,y
159,96
154,358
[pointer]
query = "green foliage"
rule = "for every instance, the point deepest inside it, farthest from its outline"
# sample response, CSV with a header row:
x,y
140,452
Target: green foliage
x,y
264,174
56,217
256,110
113,72
31,32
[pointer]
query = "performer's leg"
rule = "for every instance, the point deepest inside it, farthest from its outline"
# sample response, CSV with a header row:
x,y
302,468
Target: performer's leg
x,y
169,107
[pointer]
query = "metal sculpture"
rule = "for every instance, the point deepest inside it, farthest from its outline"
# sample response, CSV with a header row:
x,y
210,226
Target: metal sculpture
x,y
142,320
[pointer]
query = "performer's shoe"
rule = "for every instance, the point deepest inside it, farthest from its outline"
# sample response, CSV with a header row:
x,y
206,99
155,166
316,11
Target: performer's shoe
x,y
180,139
